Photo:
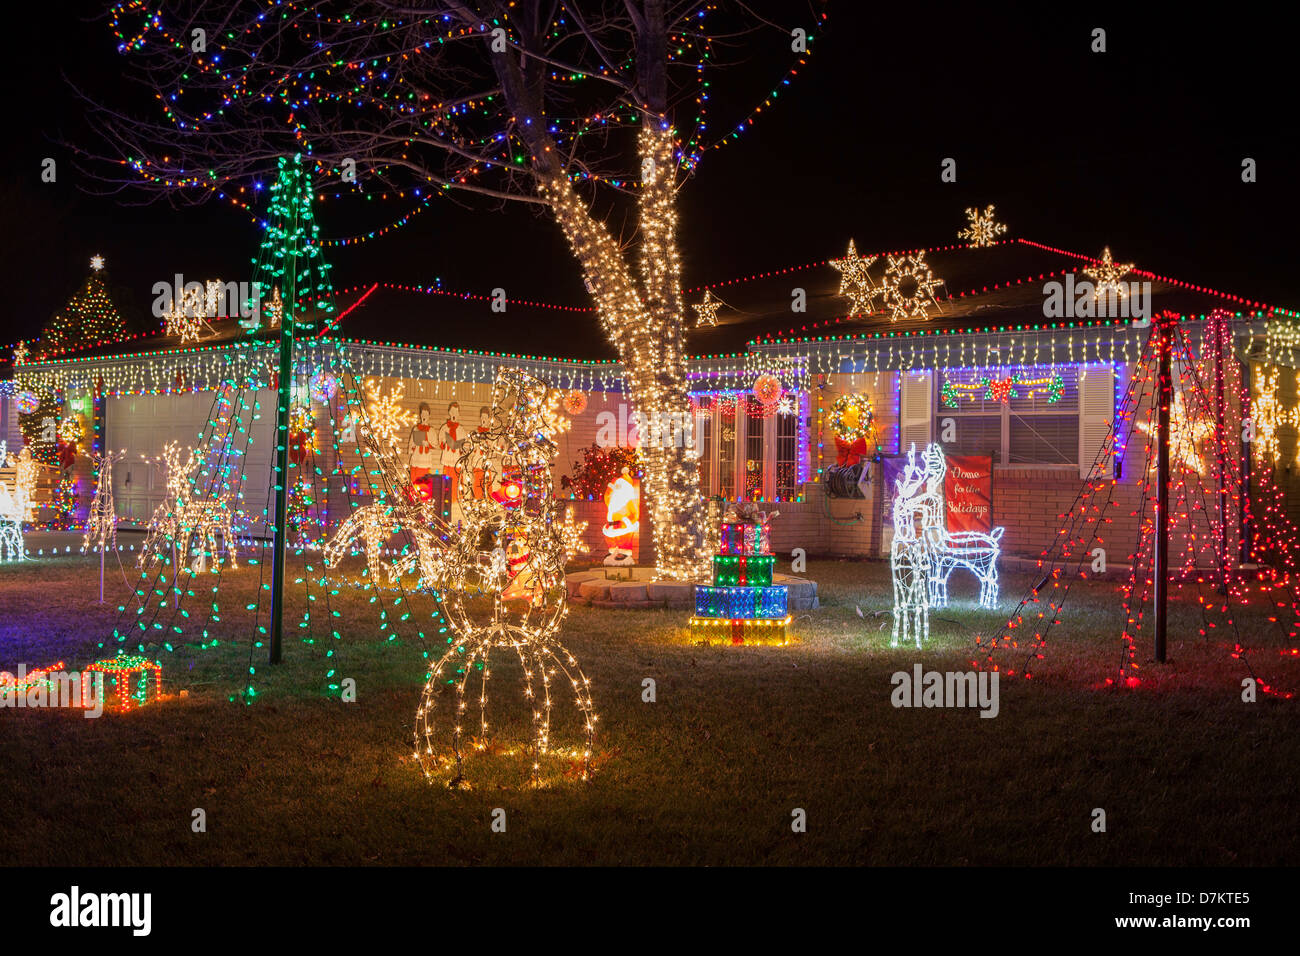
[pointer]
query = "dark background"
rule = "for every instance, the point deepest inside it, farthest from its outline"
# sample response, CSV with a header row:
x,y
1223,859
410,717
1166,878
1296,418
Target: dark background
x,y
1139,148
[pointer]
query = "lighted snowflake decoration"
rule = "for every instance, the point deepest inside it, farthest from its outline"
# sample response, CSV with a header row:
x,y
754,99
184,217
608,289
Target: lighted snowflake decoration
x,y
785,405
274,309
97,263
386,413
982,229
188,318
707,310
1269,416
1106,275
908,286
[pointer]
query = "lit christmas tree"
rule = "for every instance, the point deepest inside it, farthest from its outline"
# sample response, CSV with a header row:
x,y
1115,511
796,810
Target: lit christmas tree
x,y
88,319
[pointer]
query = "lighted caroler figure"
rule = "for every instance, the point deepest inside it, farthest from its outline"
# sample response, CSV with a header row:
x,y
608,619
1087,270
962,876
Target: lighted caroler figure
x,y
622,519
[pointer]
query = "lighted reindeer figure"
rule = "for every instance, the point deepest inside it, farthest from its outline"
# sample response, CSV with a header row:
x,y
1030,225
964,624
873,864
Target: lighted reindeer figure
x,y
373,524
975,551
16,505
182,518
908,561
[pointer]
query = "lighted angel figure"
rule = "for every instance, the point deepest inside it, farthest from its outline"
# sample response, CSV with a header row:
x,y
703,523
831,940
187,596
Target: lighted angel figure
x,y
16,505
501,585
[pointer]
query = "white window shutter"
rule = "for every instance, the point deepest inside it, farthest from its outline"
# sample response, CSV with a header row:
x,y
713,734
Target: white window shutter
x,y
1096,415
915,418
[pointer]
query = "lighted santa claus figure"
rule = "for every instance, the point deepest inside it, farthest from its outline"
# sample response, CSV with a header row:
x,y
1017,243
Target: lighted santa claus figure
x,y
622,519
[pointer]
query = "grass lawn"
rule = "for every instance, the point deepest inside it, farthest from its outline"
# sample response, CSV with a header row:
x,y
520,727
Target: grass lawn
x,y
708,774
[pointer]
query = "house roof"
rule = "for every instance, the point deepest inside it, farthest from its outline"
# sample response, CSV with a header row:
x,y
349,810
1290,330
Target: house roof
x,y
998,288
983,290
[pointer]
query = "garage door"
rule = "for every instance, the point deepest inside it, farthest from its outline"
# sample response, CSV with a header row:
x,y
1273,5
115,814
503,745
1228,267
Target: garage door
x,y
239,447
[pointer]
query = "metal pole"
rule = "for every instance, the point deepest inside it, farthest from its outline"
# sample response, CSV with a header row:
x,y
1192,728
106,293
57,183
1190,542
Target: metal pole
x,y
1221,448
1160,565
283,392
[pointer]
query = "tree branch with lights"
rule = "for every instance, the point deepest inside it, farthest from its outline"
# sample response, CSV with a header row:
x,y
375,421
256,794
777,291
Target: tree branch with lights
x,y
576,111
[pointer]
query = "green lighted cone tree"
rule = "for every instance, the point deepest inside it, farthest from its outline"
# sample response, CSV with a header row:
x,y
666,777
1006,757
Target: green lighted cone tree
x,y
179,603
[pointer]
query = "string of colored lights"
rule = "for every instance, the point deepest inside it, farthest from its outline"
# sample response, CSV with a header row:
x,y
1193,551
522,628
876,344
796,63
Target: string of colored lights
x,y
1206,526
393,95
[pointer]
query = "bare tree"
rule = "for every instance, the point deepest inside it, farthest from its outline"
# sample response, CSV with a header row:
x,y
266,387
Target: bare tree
x,y
571,106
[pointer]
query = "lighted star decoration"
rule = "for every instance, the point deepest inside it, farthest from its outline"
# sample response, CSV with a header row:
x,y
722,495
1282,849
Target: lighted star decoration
x,y
1106,275
982,229
20,353
97,262
853,270
862,301
1186,434
855,282
785,405
908,286
707,310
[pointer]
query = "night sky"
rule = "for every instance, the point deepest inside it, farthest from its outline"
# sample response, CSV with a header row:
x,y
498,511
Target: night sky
x,y
1139,148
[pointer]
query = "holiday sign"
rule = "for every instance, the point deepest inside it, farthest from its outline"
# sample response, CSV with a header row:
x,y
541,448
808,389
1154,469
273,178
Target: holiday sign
x,y
968,493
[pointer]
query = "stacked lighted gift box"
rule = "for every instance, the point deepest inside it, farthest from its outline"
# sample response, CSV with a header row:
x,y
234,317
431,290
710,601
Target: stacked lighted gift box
x,y
742,606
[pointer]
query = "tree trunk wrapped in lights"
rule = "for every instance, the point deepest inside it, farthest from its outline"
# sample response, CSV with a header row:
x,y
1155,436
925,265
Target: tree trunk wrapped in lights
x,y
644,322
508,99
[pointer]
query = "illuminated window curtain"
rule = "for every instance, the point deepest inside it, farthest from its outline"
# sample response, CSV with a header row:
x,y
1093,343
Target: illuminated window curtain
x,y
728,421
787,463
754,459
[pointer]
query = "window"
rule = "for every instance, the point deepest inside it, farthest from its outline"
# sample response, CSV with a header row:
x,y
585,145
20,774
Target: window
x,y
746,450
1022,416
728,414
754,463
704,439
787,464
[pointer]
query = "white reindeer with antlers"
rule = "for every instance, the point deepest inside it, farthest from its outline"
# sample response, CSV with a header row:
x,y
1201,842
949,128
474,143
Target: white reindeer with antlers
x,y
181,517
16,506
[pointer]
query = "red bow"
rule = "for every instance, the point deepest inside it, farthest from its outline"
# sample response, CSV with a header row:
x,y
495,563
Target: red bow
x,y
846,454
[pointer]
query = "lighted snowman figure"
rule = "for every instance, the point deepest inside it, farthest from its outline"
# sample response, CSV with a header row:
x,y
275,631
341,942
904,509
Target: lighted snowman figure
x,y
501,585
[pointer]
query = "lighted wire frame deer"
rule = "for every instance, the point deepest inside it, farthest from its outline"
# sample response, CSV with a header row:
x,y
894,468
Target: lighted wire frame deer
x,y
181,518
924,553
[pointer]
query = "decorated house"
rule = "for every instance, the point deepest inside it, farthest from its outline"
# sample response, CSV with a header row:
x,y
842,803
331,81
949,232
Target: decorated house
x,y
808,384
